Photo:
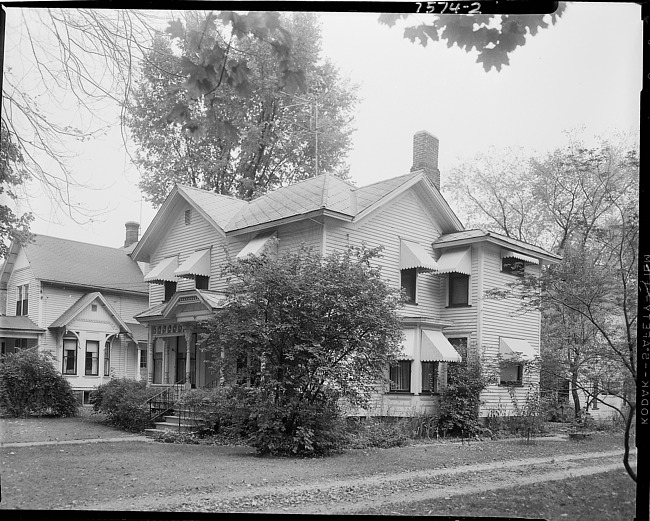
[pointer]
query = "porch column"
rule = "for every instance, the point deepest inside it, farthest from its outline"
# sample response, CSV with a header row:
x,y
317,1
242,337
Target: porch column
x,y
188,358
150,345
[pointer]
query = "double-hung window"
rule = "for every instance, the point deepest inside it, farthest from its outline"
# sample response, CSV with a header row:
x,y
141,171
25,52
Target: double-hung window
x,y
22,300
400,377
408,282
431,377
512,266
92,358
511,374
458,289
107,359
69,356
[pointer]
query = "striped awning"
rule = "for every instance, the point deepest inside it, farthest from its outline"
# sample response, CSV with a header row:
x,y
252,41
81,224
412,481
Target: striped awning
x,y
198,263
515,347
163,271
520,256
413,255
436,348
256,245
456,261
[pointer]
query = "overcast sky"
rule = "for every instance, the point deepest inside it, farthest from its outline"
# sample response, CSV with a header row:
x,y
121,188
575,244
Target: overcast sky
x,y
582,73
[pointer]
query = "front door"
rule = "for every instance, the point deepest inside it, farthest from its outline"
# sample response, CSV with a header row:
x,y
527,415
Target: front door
x,y
181,360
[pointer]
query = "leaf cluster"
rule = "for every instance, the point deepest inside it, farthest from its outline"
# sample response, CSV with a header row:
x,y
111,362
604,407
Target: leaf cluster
x,y
493,37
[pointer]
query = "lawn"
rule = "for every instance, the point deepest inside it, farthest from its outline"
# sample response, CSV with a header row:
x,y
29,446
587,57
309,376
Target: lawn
x,y
79,476
609,496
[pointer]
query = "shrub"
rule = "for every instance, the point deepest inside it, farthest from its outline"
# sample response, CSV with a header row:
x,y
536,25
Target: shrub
x,y
124,403
460,399
30,384
297,428
380,433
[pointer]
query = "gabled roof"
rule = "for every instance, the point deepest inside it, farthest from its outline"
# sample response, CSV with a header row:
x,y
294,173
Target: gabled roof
x,y
324,194
211,300
73,311
448,240
77,263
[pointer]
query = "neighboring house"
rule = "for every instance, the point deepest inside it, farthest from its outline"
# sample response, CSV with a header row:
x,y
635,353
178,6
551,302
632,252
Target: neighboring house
x,y
443,268
76,301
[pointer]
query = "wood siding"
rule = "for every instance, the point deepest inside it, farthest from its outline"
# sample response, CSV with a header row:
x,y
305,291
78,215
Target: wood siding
x,y
405,218
502,318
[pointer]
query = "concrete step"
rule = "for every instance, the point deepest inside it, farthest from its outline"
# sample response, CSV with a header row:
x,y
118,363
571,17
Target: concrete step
x,y
187,421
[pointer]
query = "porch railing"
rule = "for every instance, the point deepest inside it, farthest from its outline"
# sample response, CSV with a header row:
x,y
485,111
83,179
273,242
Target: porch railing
x,y
163,402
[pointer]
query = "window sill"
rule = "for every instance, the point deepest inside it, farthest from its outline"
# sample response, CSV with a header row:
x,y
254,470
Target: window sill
x,y
511,384
459,306
410,303
400,392
429,393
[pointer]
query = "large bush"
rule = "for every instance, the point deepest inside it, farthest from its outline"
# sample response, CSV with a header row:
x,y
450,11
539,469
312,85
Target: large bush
x,y
30,384
124,402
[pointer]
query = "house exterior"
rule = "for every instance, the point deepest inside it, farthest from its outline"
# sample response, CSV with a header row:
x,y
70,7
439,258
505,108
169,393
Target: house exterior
x,y
443,268
76,301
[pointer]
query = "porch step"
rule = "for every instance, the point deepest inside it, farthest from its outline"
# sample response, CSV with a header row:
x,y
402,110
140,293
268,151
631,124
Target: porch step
x,y
187,421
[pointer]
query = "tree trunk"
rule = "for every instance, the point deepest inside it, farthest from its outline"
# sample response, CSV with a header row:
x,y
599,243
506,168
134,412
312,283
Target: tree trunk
x,y
574,393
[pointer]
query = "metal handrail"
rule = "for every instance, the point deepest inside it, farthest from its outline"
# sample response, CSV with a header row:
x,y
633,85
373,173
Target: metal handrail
x,y
164,401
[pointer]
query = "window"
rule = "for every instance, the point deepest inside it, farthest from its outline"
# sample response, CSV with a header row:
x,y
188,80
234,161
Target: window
x,y
157,363
92,358
408,281
143,358
201,281
22,300
458,289
170,289
188,216
511,374
400,377
107,359
20,343
86,397
69,356
93,307
431,377
512,266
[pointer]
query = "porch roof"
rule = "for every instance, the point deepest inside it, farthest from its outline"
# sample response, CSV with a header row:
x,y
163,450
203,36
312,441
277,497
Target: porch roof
x,y
19,327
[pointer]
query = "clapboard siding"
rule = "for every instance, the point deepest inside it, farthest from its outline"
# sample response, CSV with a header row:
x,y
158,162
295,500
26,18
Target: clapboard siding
x,y
463,319
308,233
20,276
503,318
184,239
405,218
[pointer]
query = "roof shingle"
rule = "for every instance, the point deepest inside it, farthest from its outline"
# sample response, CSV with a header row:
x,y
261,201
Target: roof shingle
x,y
65,261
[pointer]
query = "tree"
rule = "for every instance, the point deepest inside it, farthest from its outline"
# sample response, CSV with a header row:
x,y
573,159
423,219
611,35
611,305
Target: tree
x,y
244,138
83,61
493,36
12,175
588,201
307,331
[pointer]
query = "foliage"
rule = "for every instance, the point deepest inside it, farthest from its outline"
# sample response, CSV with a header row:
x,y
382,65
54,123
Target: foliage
x,y
306,331
460,399
242,139
493,37
124,402
378,432
12,175
30,384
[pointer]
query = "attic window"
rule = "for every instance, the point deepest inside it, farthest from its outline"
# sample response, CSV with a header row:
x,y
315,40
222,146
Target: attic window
x,y
93,307
188,216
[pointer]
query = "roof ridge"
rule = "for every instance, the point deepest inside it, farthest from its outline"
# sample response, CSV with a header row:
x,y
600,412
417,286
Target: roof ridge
x,y
37,235
210,192
410,174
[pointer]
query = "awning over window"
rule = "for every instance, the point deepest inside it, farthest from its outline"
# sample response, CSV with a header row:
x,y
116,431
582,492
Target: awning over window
x,y
255,245
198,263
436,348
520,256
413,255
456,261
510,347
408,345
163,271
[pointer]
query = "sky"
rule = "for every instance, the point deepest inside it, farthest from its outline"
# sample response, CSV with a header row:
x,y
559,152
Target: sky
x,y
584,74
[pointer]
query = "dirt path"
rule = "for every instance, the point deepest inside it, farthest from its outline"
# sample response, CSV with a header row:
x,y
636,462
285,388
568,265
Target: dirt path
x,y
341,496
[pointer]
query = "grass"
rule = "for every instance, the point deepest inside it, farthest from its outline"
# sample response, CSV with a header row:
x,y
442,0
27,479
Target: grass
x,y
609,496
73,476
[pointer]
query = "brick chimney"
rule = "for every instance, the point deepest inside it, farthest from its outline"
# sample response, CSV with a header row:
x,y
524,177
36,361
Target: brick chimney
x,y
425,155
132,232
